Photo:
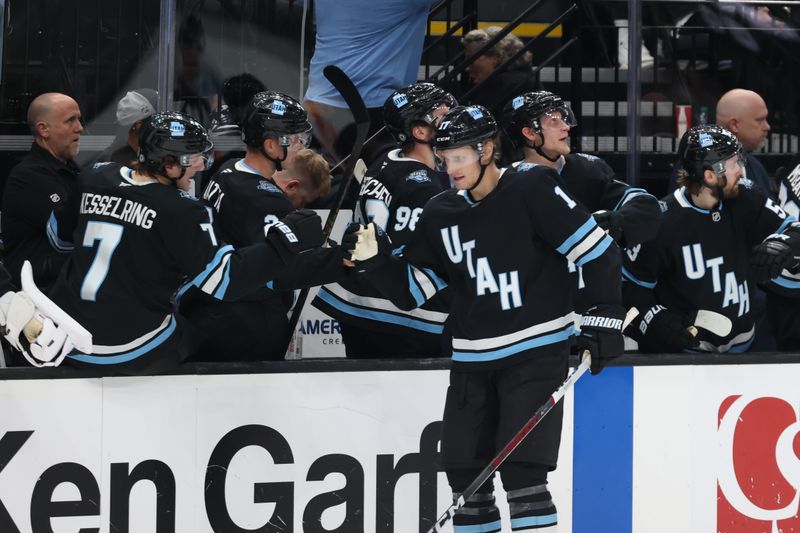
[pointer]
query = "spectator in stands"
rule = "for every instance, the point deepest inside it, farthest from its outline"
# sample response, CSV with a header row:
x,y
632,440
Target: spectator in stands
x,y
132,109
40,183
494,88
745,114
380,52
197,84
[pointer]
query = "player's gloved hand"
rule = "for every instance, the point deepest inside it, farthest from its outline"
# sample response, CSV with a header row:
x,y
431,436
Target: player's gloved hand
x,y
297,232
611,222
372,249
769,258
662,330
601,334
39,340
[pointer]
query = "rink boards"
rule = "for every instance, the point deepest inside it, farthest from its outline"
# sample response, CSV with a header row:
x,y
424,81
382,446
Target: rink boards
x,y
645,449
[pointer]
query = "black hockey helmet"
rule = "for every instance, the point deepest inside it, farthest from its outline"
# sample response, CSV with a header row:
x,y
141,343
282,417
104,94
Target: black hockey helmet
x,y
172,134
273,114
465,125
706,147
414,103
526,110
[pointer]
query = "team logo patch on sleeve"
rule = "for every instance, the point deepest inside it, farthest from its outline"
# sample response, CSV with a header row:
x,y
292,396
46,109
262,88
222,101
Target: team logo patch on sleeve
x,y
420,176
264,185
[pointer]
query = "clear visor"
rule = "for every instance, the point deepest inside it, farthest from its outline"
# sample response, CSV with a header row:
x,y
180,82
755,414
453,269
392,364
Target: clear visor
x,y
734,164
198,162
456,158
296,141
558,118
434,116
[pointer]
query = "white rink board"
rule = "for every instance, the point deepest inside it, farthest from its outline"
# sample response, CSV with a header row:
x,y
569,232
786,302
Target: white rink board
x,y
692,434
178,422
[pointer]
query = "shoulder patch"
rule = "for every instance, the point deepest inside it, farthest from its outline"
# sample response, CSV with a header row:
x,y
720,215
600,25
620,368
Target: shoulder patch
x,y
184,194
522,166
588,157
747,183
420,176
264,185
663,205
101,164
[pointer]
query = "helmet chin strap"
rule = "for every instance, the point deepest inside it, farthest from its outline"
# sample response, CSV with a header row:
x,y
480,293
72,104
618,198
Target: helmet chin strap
x,y
483,167
538,149
717,189
276,161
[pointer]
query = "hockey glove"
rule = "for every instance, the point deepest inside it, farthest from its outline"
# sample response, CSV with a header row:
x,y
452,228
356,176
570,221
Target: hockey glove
x,y
665,331
611,222
769,258
36,337
372,248
601,334
295,233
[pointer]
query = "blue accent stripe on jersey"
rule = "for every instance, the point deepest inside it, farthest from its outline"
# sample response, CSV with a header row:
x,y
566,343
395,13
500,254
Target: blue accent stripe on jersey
x,y
596,252
789,220
214,263
628,193
439,282
378,316
493,355
52,235
540,521
602,463
682,192
219,294
414,288
741,348
579,234
630,277
478,528
129,356
786,282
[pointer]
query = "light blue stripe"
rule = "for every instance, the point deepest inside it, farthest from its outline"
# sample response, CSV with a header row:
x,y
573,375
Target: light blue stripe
x,y
493,355
581,232
628,193
786,282
704,211
596,252
125,357
528,521
378,315
226,280
637,281
789,220
478,528
52,236
439,282
603,417
214,263
741,348
414,288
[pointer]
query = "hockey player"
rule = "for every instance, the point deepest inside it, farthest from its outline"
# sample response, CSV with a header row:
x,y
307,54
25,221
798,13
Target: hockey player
x,y
540,122
717,238
247,194
501,241
783,306
392,196
138,238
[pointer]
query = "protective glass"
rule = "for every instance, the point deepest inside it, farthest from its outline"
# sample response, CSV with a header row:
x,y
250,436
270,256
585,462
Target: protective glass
x,y
453,159
198,162
296,141
558,118
734,164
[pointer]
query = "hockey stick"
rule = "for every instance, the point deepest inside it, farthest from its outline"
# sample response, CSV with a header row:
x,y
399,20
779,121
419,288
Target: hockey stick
x,y
80,336
348,90
716,323
495,463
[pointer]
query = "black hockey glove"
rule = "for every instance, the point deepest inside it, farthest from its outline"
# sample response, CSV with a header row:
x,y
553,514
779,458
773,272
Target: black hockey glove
x,y
296,232
664,331
769,258
372,249
601,334
611,222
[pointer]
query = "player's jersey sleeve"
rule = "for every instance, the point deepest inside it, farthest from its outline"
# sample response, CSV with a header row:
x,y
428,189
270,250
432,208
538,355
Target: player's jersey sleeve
x,y
565,225
218,270
62,222
783,214
642,266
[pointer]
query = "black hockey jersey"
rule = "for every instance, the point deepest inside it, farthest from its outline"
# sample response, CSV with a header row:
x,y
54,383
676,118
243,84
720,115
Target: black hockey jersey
x,y
133,245
393,194
699,260
593,183
503,259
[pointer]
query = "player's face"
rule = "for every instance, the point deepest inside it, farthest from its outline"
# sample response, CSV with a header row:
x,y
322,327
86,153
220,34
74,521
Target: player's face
x,y
555,128
63,129
462,165
733,173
